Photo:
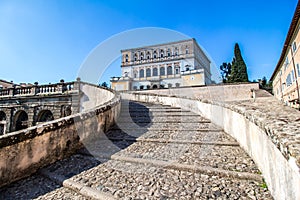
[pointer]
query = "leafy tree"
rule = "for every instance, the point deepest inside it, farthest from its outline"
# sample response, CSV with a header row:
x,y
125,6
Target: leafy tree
x,y
226,70
104,84
238,67
264,81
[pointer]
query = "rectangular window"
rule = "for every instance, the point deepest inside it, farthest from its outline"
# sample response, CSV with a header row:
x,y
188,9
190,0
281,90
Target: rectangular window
x,y
294,46
292,76
288,80
298,70
286,63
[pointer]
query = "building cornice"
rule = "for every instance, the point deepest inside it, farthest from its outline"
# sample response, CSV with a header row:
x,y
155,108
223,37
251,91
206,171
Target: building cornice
x,y
157,45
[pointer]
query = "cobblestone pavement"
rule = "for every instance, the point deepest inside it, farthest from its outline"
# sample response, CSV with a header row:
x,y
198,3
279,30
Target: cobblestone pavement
x,y
153,152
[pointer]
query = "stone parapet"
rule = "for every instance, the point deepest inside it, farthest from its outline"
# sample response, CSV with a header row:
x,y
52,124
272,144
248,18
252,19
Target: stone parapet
x,y
220,92
28,150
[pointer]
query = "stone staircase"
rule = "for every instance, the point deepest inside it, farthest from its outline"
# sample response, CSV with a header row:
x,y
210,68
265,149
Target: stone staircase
x,y
153,152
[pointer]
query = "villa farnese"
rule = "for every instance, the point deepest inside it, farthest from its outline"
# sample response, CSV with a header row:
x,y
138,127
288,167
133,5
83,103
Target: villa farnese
x,y
175,64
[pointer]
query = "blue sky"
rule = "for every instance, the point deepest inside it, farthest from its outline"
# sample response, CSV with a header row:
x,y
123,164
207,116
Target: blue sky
x,y
47,40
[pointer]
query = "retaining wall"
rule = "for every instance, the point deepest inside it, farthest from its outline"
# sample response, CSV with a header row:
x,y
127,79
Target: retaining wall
x,y
225,92
267,130
24,152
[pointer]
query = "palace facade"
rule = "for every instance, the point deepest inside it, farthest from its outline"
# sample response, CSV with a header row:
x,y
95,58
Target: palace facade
x,y
175,64
286,76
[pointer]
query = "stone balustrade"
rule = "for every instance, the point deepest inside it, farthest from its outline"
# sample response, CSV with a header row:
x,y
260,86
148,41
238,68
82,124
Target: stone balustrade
x,y
27,150
35,90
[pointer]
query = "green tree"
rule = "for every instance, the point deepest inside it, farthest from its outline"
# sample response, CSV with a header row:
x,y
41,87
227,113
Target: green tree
x,y
238,67
104,84
225,71
264,81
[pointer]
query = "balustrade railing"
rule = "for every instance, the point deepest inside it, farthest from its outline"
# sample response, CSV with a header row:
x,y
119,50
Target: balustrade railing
x,y
58,88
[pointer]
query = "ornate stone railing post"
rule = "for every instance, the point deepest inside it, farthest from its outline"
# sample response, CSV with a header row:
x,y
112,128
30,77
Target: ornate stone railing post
x,y
12,90
77,84
76,99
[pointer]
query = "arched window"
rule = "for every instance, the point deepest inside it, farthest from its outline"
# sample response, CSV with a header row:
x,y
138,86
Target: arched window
x,y
162,71
44,116
154,54
65,110
135,75
169,70
148,72
186,50
148,55
20,120
155,73
169,52
2,116
141,73
2,122
135,57
176,51
142,56
161,53
187,67
126,58
177,70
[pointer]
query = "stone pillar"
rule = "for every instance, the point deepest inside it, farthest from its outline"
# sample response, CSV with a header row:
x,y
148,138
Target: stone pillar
x,y
173,71
76,97
158,70
166,72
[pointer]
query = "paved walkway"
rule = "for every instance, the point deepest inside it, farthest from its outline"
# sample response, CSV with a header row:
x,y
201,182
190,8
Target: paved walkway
x,y
153,152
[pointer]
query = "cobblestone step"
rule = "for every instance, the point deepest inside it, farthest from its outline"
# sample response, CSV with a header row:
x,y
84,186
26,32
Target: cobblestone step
x,y
140,180
158,114
166,126
205,135
154,157
180,141
229,157
168,119
38,187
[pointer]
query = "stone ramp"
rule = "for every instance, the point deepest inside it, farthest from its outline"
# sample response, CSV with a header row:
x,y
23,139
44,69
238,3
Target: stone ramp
x,y
153,152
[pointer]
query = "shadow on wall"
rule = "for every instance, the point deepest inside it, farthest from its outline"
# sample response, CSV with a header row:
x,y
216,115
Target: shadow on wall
x,y
133,122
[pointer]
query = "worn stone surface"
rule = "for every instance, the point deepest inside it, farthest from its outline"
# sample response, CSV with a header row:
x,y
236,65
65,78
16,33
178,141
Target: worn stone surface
x,y
264,127
281,123
27,150
132,180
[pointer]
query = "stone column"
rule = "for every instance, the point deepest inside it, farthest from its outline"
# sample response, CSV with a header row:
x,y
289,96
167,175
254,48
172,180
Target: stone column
x,y
173,71
166,72
158,70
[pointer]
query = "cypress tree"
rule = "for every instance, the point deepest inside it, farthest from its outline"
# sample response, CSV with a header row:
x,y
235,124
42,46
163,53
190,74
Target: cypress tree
x,y
239,69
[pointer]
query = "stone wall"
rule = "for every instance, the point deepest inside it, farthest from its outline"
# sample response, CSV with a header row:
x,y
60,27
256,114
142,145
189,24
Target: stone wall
x,y
266,129
33,106
25,151
227,92
91,97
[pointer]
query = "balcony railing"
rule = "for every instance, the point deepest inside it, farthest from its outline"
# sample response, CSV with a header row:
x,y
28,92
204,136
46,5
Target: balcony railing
x,y
35,90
